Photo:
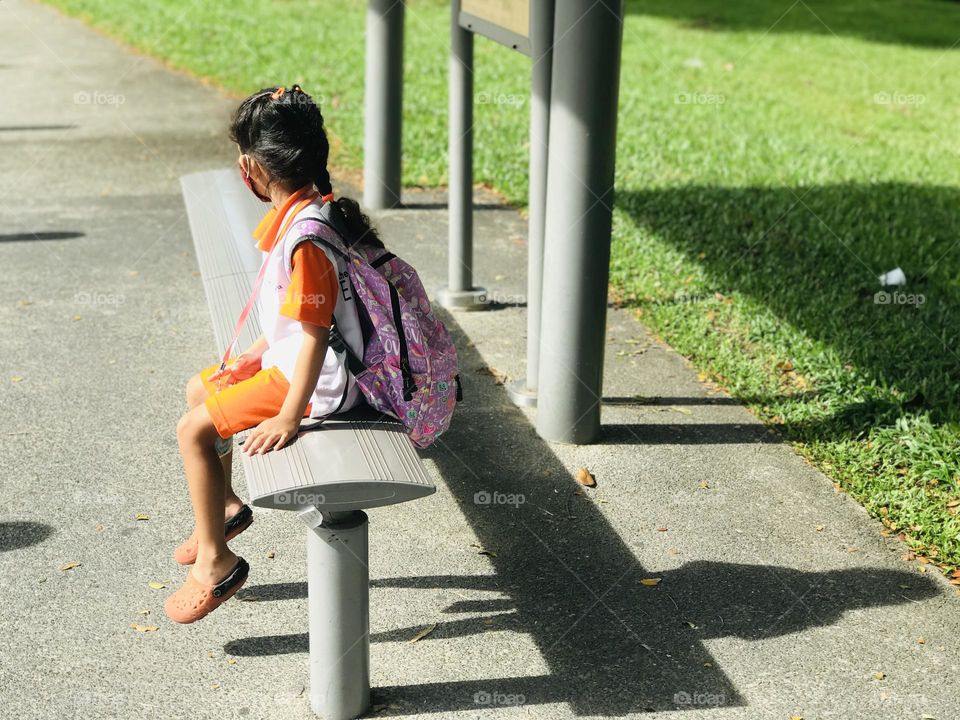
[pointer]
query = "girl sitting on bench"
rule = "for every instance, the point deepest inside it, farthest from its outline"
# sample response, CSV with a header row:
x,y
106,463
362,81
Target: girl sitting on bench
x,y
291,371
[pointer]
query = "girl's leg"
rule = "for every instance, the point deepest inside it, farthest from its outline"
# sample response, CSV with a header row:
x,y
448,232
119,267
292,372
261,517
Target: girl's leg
x,y
205,477
231,501
196,395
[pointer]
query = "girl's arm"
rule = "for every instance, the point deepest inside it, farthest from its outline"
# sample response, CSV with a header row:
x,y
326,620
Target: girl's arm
x,y
246,364
274,433
258,348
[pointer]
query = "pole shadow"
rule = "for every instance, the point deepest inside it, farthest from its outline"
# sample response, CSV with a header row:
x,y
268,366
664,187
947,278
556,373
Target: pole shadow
x,y
569,581
813,256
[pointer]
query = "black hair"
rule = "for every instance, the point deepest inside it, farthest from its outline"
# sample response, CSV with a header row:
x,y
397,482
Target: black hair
x,y
285,134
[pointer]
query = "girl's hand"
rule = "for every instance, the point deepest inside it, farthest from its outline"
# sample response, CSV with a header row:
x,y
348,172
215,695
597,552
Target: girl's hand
x,y
243,366
271,434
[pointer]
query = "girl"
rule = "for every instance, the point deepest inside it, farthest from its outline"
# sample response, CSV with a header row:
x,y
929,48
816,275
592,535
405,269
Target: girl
x,y
291,371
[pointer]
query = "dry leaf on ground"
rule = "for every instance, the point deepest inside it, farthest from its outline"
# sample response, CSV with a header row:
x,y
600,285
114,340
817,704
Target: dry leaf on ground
x,y
586,478
144,628
481,550
499,377
423,633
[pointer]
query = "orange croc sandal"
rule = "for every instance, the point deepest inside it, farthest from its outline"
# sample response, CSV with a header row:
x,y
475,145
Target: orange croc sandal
x,y
196,600
186,554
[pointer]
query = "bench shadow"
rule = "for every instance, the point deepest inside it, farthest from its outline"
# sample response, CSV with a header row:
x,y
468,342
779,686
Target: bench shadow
x,y
18,534
569,582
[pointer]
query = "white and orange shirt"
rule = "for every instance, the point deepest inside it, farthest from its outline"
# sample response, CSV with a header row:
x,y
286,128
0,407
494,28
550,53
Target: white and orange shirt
x,y
305,282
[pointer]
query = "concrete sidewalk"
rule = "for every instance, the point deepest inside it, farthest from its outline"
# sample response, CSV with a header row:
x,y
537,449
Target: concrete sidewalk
x,y
777,596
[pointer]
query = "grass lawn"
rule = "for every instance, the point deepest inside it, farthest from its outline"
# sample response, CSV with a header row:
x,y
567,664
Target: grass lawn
x,y
773,159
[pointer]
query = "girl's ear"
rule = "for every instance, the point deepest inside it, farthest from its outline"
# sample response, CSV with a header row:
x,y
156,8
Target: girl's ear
x,y
257,171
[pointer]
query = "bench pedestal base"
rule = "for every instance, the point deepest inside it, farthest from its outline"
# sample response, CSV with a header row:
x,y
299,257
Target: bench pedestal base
x,y
339,611
472,299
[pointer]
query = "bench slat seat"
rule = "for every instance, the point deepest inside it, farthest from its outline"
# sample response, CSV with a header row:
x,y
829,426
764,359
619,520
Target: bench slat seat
x,y
355,460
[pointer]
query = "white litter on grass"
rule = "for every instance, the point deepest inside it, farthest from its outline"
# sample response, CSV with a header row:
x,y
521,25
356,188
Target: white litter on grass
x,y
693,62
893,277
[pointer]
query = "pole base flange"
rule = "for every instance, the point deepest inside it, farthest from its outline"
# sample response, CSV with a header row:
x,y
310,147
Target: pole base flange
x,y
521,395
472,299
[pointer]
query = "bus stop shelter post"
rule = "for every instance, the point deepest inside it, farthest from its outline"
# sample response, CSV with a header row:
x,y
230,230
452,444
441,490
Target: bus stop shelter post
x,y
383,104
460,293
524,391
576,269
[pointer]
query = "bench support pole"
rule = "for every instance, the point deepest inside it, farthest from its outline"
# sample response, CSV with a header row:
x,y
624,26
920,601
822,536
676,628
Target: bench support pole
x,y
339,610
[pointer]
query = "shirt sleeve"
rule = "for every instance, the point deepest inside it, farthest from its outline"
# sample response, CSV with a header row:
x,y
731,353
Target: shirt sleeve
x,y
312,294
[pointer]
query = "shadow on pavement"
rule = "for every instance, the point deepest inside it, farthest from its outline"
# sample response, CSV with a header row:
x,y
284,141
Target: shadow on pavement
x,y
564,577
691,433
45,235
640,401
31,128
22,533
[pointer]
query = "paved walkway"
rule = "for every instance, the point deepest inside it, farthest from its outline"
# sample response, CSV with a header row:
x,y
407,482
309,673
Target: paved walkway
x,y
777,596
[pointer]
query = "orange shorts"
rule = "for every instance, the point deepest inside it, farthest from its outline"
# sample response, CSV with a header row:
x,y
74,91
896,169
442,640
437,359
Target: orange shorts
x,y
245,404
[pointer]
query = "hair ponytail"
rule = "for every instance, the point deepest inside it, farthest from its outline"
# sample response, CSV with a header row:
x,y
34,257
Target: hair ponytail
x,y
284,132
322,180
358,224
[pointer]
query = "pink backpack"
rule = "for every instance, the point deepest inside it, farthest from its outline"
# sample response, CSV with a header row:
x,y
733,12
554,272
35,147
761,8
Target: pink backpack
x,y
409,364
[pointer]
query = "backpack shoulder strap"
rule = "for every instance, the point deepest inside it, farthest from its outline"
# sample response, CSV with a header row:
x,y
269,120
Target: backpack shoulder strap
x,y
329,237
326,235
333,233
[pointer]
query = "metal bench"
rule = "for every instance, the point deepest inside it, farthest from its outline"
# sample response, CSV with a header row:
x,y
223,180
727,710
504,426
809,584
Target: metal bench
x,y
328,476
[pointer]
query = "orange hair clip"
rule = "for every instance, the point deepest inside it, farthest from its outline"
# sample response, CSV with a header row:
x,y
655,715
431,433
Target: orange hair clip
x,y
278,93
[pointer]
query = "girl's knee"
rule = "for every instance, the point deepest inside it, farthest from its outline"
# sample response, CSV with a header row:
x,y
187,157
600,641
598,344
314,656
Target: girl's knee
x,y
196,391
196,428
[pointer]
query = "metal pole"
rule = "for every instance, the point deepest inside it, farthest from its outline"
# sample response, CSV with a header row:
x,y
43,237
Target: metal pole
x,y
524,391
576,268
339,609
383,104
461,294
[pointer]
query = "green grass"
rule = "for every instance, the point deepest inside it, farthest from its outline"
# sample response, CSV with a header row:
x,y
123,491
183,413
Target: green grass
x,y
748,232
